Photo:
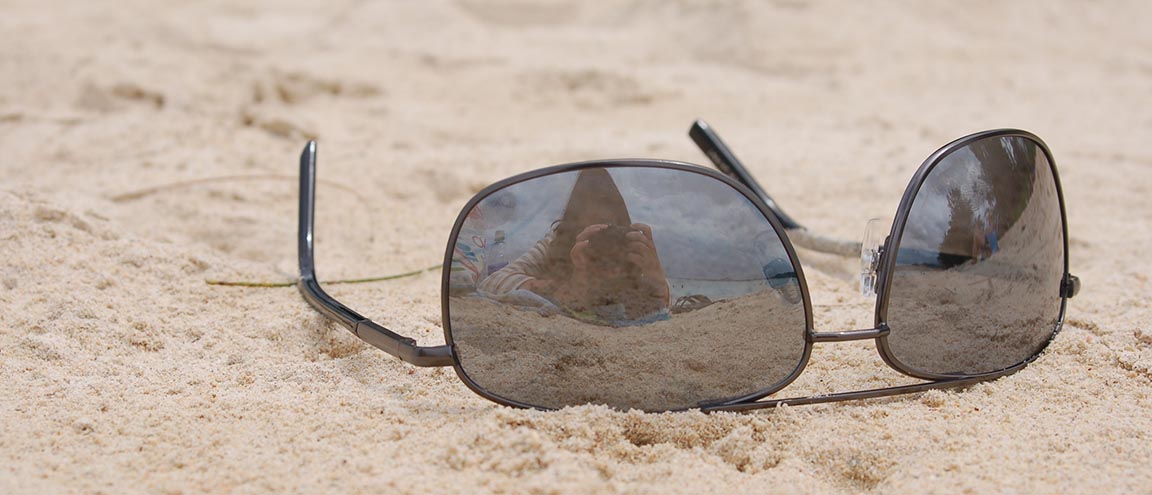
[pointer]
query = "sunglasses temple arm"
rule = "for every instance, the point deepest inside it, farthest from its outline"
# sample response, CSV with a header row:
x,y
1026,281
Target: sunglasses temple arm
x,y
382,338
725,160
858,395
721,155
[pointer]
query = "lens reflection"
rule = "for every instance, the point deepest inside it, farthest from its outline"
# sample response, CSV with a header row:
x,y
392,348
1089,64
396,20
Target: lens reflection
x,y
977,279
633,287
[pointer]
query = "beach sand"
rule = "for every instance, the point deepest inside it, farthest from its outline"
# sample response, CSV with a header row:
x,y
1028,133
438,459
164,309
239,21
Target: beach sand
x,y
148,149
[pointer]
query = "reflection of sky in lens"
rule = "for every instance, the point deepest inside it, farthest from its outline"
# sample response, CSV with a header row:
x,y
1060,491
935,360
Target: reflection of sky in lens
x,y
703,228
536,204
931,213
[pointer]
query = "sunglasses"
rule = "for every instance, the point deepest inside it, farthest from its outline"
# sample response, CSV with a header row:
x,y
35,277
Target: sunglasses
x,y
660,286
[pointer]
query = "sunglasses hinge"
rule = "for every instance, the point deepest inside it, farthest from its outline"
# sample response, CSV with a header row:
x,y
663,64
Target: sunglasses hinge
x,y
1070,286
402,347
865,334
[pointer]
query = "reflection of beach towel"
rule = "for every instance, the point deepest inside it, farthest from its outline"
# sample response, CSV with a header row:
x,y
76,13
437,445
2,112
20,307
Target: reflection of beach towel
x,y
613,315
468,255
524,268
525,299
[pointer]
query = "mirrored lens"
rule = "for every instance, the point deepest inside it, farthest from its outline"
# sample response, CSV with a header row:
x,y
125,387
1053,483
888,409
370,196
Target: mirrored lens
x,y
976,287
634,287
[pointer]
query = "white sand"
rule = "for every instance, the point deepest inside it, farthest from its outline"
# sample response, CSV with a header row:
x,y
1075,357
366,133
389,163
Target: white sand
x,y
121,371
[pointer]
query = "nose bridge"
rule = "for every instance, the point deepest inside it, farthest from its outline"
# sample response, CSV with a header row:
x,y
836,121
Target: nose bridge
x,y
849,335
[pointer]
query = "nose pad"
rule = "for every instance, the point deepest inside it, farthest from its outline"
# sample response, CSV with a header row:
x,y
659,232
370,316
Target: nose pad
x,y
871,249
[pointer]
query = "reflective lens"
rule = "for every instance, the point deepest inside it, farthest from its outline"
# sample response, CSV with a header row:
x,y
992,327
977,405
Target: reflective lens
x,y
634,287
976,287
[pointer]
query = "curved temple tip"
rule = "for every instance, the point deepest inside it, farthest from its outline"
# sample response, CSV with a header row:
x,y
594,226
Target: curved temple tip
x,y
722,157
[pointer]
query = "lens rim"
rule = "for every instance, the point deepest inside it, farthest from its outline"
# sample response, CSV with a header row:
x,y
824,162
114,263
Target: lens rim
x,y
446,320
888,264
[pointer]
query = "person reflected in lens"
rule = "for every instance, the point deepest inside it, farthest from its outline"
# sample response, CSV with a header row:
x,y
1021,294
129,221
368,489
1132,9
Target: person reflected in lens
x,y
595,264
976,286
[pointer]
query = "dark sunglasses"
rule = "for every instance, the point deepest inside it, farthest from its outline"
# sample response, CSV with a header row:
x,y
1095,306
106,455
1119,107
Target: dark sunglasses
x,y
660,285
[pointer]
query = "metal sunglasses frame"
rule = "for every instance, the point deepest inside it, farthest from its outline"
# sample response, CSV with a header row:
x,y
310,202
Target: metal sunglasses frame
x,y
736,176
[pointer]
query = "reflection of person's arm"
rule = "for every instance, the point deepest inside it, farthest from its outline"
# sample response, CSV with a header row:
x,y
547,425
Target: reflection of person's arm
x,y
519,273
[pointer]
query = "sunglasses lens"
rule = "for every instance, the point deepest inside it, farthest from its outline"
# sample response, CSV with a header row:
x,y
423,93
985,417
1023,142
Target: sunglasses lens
x,y
976,286
633,287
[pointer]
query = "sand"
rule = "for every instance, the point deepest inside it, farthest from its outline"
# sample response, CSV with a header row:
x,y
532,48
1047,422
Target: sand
x,y
149,148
